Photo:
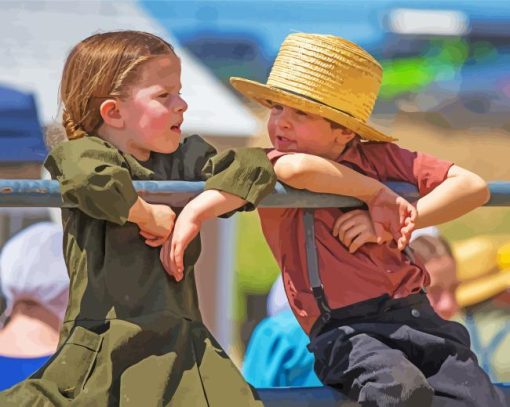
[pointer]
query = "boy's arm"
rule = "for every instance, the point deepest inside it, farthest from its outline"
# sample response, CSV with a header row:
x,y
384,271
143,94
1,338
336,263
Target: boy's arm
x,y
317,174
389,211
461,192
209,204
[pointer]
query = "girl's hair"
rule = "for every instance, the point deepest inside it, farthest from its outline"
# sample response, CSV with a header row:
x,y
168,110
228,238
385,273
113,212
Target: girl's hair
x,y
99,67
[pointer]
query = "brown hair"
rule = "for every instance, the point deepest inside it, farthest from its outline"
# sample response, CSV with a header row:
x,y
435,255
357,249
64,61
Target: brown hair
x,y
430,247
102,66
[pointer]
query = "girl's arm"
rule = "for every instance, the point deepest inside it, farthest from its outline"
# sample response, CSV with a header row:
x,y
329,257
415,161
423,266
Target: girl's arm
x,y
209,204
461,192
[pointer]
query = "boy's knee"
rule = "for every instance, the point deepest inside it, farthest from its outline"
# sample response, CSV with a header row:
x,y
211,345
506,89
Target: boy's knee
x,y
397,384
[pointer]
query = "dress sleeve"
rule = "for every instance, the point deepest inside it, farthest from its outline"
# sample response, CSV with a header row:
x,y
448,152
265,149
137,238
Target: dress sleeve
x,y
420,169
245,172
94,177
195,153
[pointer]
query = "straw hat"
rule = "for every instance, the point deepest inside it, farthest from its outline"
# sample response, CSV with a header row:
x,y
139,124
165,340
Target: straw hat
x,y
323,75
483,268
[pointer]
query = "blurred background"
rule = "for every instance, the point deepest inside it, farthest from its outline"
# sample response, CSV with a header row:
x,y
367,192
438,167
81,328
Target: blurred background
x,y
445,90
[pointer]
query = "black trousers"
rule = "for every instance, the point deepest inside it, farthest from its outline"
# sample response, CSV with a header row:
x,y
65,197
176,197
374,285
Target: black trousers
x,y
387,352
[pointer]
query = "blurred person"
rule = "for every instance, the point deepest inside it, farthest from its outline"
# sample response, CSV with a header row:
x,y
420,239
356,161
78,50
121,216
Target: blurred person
x,y
483,298
435,253
277,353
34,279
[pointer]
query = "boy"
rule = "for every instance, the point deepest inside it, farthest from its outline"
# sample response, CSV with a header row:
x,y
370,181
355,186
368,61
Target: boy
x,y
372,330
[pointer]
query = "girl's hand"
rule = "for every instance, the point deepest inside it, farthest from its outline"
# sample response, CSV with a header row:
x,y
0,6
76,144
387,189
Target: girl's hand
x,y
157,226
171,255
392,213
355,228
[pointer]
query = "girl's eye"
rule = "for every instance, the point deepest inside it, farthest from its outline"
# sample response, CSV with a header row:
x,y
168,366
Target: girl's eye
x,y
277,107
301,113
163,95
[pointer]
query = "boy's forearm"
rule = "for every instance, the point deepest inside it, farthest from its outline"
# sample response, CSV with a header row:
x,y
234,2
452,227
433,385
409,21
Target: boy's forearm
x,y
213,203
461,192
317,174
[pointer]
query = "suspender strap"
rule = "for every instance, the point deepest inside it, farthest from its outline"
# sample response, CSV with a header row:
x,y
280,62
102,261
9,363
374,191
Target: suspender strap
x,y
312,266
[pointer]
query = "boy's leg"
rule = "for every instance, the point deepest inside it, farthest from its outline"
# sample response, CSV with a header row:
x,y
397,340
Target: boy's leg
x,y
369,371
461,378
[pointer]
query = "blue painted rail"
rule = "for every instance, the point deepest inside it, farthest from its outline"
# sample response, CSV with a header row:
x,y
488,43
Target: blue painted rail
x,y
45,193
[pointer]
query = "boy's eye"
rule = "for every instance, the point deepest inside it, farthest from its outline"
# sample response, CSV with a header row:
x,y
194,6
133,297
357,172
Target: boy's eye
x,y
163,95
276,106
301,113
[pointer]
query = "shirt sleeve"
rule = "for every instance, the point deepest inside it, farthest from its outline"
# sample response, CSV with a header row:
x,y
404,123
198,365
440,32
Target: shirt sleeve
x,y
245,172
420,169
93,177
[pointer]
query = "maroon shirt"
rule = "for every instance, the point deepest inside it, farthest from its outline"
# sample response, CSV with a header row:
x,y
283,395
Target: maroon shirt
x,y
374,269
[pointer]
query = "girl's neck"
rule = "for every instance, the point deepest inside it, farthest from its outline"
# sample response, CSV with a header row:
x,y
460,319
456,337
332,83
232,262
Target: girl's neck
x,y
122,143
32,331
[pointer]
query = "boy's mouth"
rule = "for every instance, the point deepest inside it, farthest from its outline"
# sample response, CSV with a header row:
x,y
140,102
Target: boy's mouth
x,y
283,139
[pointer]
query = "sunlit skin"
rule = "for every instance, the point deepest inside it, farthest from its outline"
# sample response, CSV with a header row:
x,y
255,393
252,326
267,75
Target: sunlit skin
x,y
292,130
443,283
150,117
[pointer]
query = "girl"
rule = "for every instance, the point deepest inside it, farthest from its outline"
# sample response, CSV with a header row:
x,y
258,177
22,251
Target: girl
x,y
132,335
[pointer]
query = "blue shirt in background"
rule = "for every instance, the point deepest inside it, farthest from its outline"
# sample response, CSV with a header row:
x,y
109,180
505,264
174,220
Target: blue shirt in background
x,y
15,370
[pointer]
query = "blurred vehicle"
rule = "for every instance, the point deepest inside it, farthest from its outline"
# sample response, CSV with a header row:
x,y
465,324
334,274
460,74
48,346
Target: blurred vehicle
x,y
458,72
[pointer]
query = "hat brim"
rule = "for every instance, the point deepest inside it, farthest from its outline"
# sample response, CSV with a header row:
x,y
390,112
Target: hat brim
x,y
266,94
481,289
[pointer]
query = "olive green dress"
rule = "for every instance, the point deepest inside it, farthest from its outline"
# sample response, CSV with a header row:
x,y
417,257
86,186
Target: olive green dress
x,y
132,335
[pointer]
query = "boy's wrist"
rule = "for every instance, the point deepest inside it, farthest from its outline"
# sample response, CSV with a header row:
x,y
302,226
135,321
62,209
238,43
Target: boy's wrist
x,y
373,189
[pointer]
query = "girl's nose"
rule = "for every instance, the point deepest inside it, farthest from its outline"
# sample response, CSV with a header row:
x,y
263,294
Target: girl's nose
x,y
181,105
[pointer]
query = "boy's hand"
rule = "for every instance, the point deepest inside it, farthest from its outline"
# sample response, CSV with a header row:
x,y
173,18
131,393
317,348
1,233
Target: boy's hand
x,y
157,226
355,228
392,213
171,255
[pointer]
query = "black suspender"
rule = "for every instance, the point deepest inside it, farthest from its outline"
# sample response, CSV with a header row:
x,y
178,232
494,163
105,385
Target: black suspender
x,y
312,266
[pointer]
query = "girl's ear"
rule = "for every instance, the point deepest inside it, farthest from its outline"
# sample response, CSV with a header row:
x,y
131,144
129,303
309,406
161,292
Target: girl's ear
x,y
109,111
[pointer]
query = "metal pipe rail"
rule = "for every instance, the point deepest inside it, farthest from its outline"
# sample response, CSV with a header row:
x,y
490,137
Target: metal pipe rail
x,y
45,193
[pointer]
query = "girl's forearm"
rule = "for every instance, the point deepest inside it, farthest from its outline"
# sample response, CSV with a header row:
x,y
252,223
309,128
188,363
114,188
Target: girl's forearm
x,y
460,193
213,203
317,174
140,212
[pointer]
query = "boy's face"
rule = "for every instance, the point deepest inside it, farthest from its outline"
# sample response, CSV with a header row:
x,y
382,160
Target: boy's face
x,y
292,130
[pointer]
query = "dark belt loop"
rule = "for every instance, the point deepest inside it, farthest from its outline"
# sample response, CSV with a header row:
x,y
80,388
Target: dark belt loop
x,y
312,266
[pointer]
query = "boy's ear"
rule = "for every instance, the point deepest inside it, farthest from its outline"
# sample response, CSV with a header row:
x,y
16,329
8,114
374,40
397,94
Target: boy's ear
x,y
110,112
344,135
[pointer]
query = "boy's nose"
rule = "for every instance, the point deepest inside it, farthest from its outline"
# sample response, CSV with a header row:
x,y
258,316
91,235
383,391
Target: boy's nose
x,y
283,119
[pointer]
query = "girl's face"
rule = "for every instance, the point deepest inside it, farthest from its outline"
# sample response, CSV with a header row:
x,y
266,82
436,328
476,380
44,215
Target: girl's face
x,y
292,130
153,111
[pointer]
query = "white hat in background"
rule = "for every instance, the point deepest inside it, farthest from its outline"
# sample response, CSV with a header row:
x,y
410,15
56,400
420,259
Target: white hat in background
x,y
32,268
277,299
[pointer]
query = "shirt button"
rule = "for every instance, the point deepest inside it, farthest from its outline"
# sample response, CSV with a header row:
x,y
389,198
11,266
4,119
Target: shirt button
x,y
415,313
